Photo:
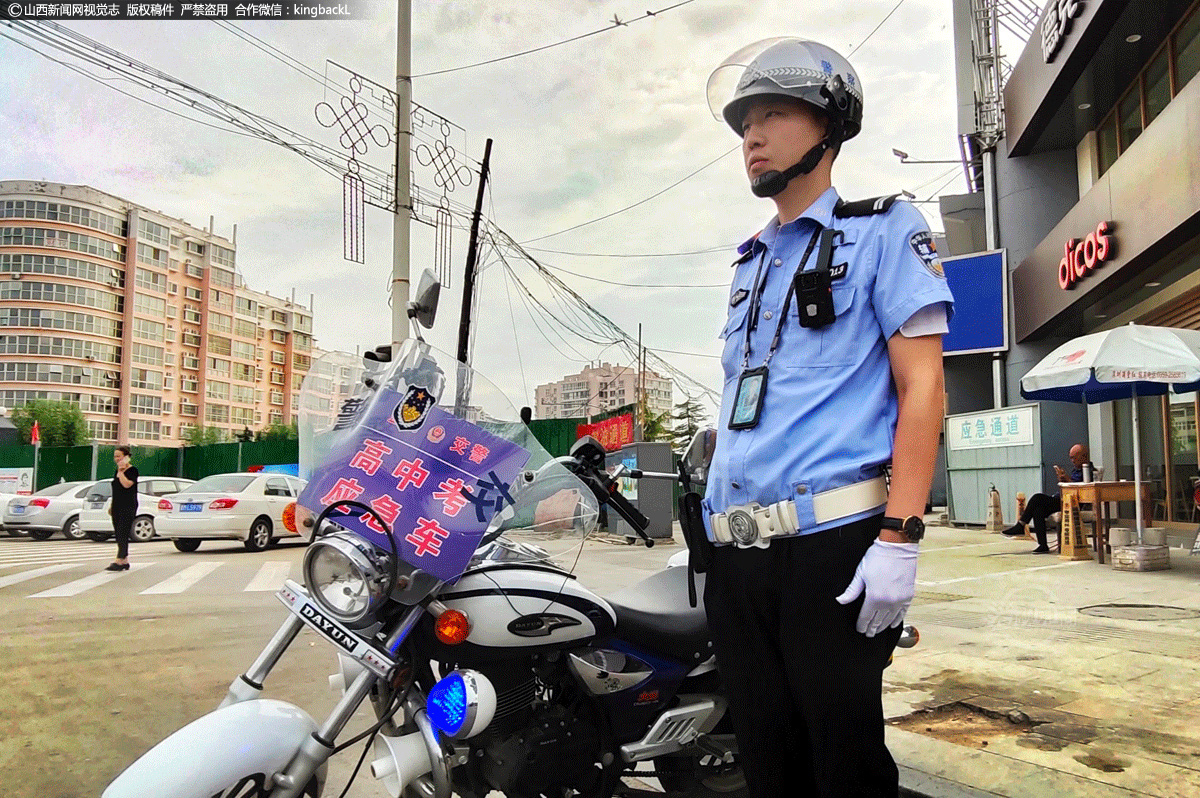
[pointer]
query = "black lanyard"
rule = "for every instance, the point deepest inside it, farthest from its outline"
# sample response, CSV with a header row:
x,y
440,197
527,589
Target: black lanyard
x,y
760,283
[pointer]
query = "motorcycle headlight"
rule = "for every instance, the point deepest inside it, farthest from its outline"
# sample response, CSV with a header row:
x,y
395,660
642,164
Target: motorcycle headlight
x,y
347,576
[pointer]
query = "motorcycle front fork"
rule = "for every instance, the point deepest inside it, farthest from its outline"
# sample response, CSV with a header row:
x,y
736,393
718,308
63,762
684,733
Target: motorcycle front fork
x,y
316,749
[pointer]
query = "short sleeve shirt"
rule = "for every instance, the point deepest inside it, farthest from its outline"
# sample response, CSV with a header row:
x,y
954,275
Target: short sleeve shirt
x,y
125,500
829,416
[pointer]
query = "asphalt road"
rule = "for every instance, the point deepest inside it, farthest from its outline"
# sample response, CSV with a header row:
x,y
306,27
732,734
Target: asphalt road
x,y
99,667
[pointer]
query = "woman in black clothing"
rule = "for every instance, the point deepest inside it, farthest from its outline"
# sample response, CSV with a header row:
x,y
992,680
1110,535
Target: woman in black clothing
x,y
124,505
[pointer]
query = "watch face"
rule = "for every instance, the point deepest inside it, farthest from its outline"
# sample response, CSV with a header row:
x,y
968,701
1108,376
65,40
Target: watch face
x,y
914,528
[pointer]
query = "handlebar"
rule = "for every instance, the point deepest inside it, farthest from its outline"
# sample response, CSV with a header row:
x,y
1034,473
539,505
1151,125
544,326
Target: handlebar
x,y
586,461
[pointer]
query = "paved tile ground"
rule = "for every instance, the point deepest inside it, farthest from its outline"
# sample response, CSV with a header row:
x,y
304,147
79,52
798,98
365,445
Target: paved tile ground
x,y
1113,702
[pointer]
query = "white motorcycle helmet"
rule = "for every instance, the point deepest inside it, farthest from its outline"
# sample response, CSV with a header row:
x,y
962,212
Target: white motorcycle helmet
x,y
789,67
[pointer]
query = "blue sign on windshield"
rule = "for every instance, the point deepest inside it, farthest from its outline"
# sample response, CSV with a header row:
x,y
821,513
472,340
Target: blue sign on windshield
x,y
435,479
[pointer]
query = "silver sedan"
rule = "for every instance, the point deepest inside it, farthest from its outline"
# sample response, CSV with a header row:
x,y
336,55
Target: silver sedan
x,y
52,509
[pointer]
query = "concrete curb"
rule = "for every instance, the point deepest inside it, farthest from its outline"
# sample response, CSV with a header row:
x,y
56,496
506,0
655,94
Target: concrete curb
x,y
915,784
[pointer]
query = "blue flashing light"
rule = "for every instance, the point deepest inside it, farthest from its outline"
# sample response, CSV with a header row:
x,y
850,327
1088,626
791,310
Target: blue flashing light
x,y
447,705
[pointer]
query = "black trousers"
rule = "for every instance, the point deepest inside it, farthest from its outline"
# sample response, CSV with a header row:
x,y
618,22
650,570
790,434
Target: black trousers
x,y
122,527
1040,507
804,687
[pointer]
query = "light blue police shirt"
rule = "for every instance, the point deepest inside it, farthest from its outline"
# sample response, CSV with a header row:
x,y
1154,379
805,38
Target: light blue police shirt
x,y
829,418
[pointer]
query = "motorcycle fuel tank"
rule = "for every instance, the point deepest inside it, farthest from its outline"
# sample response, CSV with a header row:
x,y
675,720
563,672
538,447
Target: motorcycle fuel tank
x,y
518,609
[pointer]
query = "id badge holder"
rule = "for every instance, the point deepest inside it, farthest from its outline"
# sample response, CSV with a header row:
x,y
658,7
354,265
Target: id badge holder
x,y
748,401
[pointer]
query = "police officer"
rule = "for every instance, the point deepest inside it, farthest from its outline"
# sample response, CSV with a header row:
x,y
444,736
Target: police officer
x,y
833,370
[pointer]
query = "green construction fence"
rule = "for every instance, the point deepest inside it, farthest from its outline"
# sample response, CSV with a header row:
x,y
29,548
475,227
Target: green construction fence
x,y
76,463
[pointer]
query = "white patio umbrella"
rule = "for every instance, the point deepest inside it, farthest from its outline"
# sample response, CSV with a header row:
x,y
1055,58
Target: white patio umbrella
x,y
1122,363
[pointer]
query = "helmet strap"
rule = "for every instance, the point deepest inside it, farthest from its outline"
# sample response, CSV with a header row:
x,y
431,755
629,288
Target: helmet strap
x,y
768,184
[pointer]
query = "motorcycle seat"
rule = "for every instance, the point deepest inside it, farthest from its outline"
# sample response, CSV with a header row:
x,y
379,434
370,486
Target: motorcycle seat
x,y
655,615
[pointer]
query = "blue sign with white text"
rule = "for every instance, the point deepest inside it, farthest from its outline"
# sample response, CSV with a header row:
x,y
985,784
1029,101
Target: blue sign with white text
x,y
979,285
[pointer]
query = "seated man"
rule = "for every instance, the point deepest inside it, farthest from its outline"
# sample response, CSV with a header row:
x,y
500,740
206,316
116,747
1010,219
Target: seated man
x,y
1040,506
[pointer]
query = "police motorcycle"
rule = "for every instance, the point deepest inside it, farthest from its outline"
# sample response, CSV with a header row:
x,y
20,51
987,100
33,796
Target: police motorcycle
x,y
440,568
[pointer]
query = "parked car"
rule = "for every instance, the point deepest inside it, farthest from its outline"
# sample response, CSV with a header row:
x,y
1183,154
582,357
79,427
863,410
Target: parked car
x,y
96,523
51,509
5,498
247,507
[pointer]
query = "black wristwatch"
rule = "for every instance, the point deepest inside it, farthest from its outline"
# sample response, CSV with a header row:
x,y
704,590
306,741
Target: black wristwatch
x,y
911,527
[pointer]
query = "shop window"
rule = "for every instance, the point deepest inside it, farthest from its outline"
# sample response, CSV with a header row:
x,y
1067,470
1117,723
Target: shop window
x,y
1158,85
1129,116
1150,439
1184,471
1187,50
1107,142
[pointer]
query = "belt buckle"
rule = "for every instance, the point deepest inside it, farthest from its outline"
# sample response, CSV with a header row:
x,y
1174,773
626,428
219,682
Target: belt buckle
x,y
743,526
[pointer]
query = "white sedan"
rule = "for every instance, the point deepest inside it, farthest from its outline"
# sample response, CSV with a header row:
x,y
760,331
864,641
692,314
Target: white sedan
x,y
96,523
247,507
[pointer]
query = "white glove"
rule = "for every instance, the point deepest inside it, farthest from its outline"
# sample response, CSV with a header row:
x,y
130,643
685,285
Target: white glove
x,y
888,574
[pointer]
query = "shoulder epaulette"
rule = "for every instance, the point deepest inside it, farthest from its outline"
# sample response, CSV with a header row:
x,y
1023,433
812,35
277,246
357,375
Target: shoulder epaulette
x,y
867,207
746,250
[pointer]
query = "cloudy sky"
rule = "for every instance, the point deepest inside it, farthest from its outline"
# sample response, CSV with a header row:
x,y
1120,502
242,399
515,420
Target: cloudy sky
x,y
580,131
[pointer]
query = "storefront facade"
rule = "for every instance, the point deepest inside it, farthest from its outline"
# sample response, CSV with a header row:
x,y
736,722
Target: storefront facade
x,y
1098,207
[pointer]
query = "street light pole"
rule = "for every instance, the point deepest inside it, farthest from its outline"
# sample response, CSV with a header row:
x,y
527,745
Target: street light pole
x,y
403,193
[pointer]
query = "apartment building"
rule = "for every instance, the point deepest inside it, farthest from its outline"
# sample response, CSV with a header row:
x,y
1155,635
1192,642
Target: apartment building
x,y
139,318
598,389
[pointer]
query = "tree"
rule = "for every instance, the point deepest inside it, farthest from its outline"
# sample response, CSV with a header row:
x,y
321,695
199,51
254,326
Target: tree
x,y
201,435
280,432
655,426
59,423
689,417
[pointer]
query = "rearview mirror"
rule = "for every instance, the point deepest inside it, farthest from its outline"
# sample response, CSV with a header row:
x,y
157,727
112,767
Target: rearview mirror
x,y
424,307
699,454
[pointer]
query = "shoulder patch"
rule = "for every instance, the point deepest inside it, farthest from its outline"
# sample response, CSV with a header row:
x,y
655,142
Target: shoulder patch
x,y
924,248
867,207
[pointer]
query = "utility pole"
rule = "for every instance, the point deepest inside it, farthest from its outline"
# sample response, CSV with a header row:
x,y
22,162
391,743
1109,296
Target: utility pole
x,y
462,397
639,412
400,222
468,295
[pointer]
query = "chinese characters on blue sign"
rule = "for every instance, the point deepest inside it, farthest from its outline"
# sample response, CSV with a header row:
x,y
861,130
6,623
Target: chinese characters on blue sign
x,y
437,483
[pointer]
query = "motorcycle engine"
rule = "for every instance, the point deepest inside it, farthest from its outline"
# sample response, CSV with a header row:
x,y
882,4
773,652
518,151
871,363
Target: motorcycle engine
x,y
553,752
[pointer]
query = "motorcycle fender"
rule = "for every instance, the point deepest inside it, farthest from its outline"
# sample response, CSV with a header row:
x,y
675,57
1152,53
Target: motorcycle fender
x,y
236,746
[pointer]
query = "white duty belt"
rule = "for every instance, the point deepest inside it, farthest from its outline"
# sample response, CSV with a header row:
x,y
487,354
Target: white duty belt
x,y
748,524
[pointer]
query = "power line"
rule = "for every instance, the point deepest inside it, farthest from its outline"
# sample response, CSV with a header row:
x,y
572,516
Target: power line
x,y
513,317
877,27
709,250
639,202
617,23
638,285
557,286
689,354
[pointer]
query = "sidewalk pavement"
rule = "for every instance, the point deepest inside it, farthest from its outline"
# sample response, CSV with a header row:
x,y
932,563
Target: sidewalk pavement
x,y
1099,670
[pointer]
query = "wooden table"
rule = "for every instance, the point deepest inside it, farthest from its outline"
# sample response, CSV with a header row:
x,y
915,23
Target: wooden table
x,y
1098,494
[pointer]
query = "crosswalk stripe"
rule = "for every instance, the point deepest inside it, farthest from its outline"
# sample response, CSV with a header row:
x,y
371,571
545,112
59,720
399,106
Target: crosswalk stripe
x,y
24,576
51,558
184,579
270,577
88,582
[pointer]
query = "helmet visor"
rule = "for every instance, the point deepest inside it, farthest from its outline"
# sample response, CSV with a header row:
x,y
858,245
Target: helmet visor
x,y
723,82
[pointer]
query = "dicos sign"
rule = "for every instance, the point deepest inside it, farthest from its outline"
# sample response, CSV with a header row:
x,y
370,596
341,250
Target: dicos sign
x,y
1081,257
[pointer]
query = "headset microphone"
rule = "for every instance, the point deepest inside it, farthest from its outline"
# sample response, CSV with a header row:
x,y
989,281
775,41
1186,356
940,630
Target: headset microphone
x,y
768,184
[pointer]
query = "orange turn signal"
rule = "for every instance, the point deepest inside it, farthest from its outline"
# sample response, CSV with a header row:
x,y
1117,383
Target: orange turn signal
x,y
452,627
289,517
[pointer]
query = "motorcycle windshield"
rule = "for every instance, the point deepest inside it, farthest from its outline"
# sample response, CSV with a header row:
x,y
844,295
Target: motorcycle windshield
x,y
441,456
